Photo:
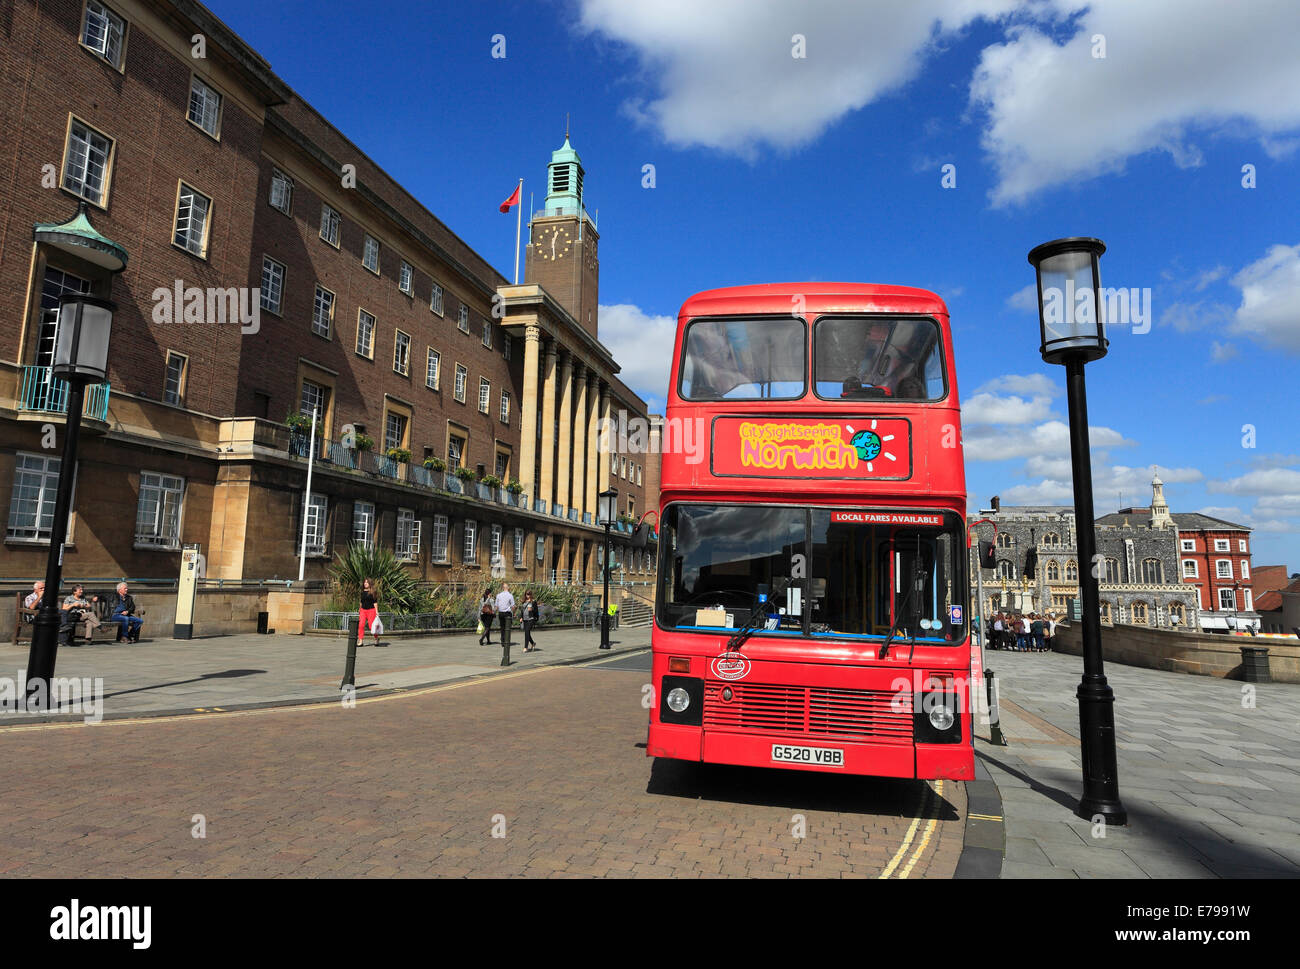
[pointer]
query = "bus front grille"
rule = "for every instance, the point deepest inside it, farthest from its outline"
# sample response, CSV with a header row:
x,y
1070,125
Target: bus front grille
x,y
875,715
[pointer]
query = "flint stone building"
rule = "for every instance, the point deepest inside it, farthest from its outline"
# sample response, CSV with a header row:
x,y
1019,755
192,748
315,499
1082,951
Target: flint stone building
x,y
139,169
1138,564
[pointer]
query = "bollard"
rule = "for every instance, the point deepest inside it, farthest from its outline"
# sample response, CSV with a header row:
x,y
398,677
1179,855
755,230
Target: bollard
x,y
505,641
995,726
1254,664
349,672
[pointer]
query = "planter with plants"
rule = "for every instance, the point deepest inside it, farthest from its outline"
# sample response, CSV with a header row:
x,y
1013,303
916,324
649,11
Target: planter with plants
x,y
435,464
400,454
513,490
464,474
363,443
489,487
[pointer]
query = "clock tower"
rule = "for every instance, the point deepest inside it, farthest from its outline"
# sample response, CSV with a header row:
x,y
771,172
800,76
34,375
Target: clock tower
x,y
561,255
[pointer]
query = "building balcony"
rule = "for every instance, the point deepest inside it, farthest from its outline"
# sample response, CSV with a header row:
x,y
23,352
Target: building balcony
x,y
43,395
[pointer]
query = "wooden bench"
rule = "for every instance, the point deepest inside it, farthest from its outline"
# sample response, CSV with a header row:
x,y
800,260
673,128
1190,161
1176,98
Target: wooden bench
x,y
23,618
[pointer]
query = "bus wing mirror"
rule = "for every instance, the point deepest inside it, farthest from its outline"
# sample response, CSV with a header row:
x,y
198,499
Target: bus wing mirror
x,y
641,536
986,555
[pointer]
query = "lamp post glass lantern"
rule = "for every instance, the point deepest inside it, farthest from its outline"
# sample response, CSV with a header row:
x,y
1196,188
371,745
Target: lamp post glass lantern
x,y
607,513
1073,333
80,358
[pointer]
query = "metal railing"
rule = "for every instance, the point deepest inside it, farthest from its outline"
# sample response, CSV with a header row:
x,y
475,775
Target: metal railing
x,y
43,393
393,621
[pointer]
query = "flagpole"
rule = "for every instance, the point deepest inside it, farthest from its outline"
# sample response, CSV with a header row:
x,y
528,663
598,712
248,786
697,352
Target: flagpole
x,y
519,220
306,499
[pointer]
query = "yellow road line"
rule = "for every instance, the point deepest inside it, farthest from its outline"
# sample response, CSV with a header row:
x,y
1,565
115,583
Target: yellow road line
x,y
929,828
398,693
985,817
610,659
911,833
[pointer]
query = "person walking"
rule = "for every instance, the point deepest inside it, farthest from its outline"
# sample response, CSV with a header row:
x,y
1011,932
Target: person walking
x,y
369,612
528,613
485,617
998,641
505,606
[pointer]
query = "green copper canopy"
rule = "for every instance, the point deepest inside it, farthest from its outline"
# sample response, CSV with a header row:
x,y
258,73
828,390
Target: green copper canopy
x,y
78,237
564,180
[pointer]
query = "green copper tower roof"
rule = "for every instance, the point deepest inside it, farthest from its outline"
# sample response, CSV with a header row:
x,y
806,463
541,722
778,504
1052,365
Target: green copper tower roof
x,y
564,180
79,238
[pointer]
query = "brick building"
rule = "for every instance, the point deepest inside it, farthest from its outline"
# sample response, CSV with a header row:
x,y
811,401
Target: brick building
x,y
1214,558
264,268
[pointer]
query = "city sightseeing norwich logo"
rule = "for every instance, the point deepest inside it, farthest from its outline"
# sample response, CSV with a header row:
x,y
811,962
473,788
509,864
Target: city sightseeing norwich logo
x,y
789,446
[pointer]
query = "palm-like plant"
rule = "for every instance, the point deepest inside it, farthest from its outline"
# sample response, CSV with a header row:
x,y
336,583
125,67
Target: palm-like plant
x,y
394,584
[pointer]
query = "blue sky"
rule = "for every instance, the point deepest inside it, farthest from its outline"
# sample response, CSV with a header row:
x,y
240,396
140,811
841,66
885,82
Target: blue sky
x,y
772,167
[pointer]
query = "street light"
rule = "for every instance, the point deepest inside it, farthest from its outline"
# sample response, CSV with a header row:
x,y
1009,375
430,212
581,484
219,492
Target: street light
x,y
606,514
1073,333
80,358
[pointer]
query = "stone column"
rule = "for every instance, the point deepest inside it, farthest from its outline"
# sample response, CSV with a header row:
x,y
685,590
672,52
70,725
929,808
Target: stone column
x,y
528,413
546,491
580,439
611,441
564,460
593,444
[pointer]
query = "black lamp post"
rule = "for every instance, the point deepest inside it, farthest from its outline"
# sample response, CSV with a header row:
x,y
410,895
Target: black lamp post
x,y
607,513
1074,333
80,358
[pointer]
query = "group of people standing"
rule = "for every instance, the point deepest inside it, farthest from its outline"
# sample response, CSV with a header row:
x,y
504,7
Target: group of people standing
x,y
1024,634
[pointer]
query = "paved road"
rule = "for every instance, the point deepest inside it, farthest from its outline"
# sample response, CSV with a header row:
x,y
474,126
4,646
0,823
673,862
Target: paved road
x,y
540,772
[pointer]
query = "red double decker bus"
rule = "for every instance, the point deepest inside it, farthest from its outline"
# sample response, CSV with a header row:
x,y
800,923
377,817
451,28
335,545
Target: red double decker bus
x,y
810,612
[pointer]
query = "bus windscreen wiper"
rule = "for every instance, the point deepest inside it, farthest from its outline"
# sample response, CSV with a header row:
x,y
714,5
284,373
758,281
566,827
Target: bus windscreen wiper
x,y
756,618
918,581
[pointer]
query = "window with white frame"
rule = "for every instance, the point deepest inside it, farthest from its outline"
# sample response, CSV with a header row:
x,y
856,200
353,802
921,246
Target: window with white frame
x,y
312,399
402,353
455,450
462,318
272,284
363,523
1246,600
1227,600
370,254
394,431
86,164
1223,568
469,550
405,279
438,540
1221,545
519,548
192,211
407,545
158,514
638,475
322,312
484,394
431,364
435,301
462,375
281,191
103,32
1241,546
174,380
496,545
1245,568
329,225
31,503
487,334
317,519
505,407
1190,570
365,334
1188,544
205,106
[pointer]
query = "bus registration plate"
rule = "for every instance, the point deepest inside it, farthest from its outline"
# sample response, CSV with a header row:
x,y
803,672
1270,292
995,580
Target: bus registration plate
x,y
819,756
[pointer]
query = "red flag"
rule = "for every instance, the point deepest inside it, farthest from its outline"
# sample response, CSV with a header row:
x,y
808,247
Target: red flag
x,y
509,203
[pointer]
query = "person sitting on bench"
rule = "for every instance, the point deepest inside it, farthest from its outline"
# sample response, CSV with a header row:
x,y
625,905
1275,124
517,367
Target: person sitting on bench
x,y
124,615
77,608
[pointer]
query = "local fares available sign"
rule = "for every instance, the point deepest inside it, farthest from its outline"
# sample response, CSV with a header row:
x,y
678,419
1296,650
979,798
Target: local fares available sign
x,y
885,518
856,447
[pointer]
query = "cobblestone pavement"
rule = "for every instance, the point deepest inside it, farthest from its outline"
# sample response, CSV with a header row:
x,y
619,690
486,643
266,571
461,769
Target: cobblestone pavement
x,y
417,784
229,671
1208,773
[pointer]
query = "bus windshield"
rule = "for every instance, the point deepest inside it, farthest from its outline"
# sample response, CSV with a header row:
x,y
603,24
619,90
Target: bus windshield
x,y
758,359
819,572
877,358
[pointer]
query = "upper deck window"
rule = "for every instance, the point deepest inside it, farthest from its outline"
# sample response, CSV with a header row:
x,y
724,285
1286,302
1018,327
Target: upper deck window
x,y
760,359
878,358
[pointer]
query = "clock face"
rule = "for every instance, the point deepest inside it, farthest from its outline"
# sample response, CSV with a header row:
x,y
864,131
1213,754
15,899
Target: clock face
x,y
553,242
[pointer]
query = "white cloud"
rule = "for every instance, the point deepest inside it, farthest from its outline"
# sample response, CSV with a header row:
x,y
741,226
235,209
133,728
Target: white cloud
x,y
1270,298
1049,439
1035,384
1222,352
723,72
1270,481
1185,316
992,409
1210,276
643,346
1174,68
1025,298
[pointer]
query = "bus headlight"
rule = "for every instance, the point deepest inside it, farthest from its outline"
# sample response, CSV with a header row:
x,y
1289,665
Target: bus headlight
x,y
941,718
678,700
935,719
681,700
